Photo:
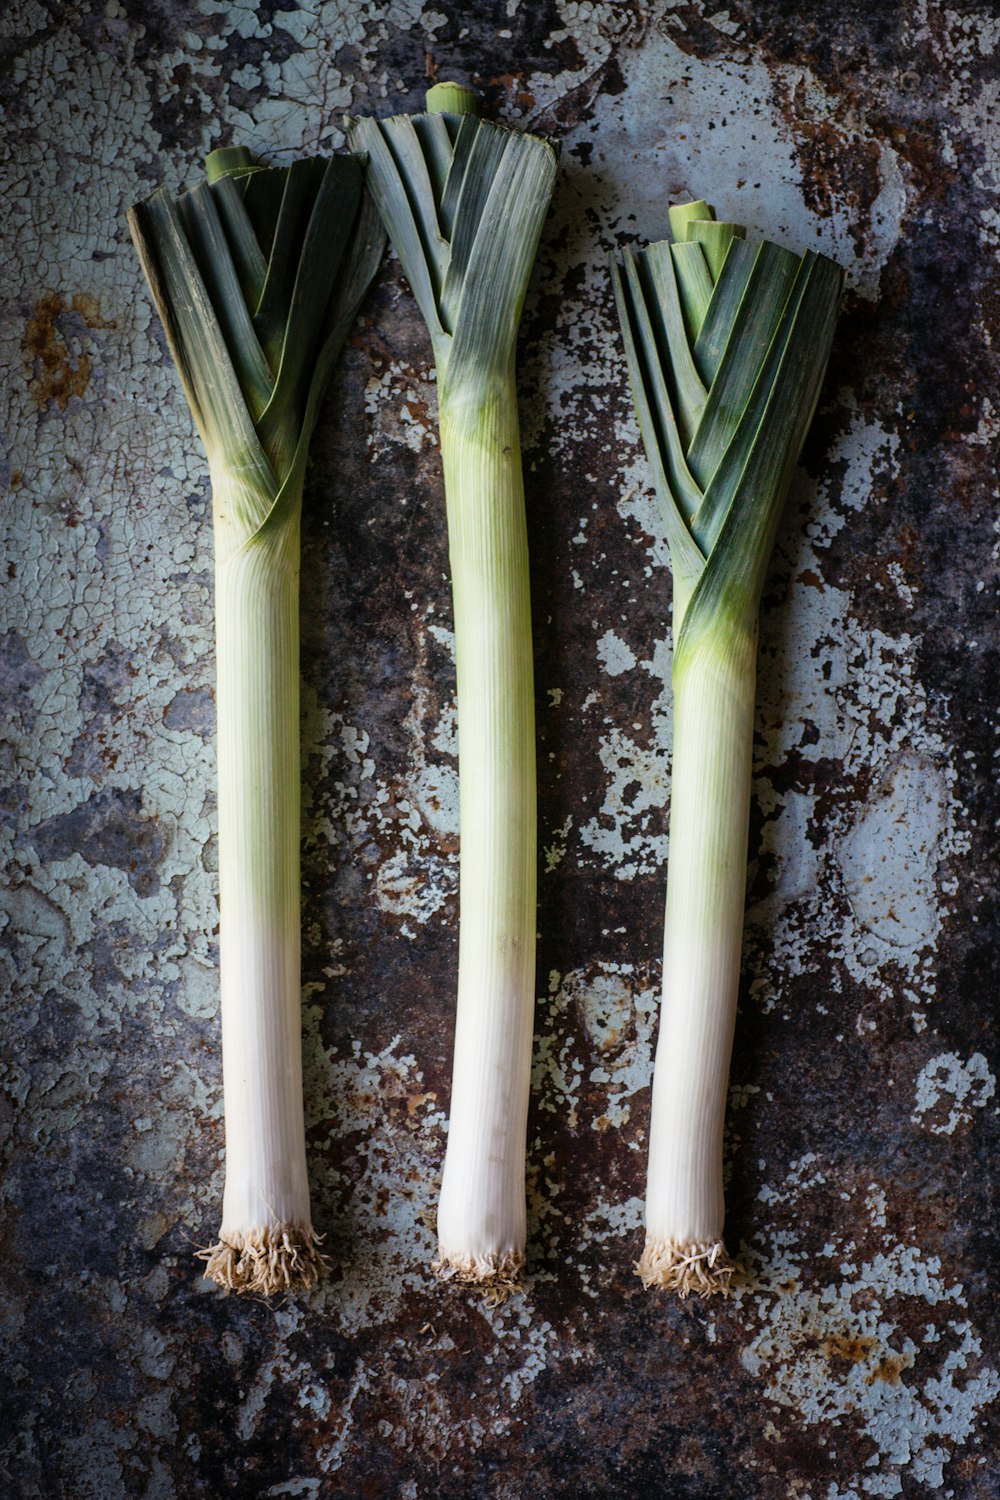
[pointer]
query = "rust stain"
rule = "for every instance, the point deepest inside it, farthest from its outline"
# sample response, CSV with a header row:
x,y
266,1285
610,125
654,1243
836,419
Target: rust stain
x,y
850,1348
838,168
809,576
889,1369
56,373
90,310
517,91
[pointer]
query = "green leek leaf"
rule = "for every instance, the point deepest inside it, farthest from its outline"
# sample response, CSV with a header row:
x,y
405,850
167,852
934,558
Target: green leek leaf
x,y
694,284
248,257
301,184
747,341
676,490
209,243
715,239
464,215
761,344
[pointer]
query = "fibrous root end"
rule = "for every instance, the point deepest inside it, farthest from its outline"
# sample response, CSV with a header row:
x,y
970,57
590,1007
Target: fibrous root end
x,y
699,1266
496,1275
267,1261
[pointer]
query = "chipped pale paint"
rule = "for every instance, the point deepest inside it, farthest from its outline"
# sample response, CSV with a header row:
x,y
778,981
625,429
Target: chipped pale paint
x,y
863,1091
629,832
614,654
948,1083
834,1343
599,1029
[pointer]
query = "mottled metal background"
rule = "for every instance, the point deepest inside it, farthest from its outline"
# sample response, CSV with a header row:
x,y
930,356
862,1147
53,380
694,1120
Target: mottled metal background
x,y
863,1358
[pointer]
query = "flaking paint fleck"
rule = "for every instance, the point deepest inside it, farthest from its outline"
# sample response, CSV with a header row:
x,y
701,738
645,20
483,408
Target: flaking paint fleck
x,y
948,1089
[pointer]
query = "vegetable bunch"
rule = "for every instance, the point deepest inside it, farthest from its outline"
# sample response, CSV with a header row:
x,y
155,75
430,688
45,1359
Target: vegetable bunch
x,y
257,274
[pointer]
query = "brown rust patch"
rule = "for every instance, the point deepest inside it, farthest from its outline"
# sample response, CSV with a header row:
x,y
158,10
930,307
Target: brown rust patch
x,y
849,1348
839,169
890,1368
89,310
57,373
810,577
517,91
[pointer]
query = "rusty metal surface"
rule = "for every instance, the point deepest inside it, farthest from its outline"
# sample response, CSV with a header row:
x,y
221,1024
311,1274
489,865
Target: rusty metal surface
x,y
863,1357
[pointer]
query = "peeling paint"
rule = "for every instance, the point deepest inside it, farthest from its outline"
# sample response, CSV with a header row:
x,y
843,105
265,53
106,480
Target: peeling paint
x,y
842,1349
968,1086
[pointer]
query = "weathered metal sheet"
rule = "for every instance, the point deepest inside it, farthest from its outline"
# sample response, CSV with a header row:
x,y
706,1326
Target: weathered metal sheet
x,y
862,1357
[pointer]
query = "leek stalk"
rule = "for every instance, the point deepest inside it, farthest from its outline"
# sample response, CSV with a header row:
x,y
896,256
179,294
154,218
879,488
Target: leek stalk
x,y
464,201
727,344
257,274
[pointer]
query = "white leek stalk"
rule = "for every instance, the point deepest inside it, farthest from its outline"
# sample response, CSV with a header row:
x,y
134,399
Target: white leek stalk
x,y
257,275
464,201
727,345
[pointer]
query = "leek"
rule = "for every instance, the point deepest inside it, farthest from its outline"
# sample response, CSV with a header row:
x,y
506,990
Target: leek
x,y
727,344
464,201
257,274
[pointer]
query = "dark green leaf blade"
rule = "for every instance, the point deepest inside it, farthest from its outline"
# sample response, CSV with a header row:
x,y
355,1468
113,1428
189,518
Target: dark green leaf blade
x,y
262,192
488,144
663,303
301,184
404,143
251,267
360,262
751,331
201,356
208,241
652,407
792,379
694,284
330,225
670,446
395,199
468,133
438,148
727,298
501,260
